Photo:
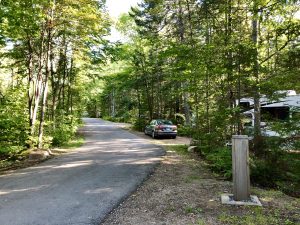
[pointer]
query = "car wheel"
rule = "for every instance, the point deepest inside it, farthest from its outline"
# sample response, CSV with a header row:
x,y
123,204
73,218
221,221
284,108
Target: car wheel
x,y
173,137
145,131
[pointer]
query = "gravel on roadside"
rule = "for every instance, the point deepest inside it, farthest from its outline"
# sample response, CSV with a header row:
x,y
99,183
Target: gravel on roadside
x,y
182,190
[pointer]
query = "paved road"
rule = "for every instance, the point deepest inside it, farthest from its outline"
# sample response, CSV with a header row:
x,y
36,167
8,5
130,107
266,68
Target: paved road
x,y
82,187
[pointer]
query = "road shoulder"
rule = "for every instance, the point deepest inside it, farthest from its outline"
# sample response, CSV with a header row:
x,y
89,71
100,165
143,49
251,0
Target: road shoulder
x,y
182,190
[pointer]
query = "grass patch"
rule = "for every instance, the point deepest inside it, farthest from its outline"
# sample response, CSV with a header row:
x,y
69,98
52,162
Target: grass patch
x,y
75,142
201,222
179,149
255,217
193,210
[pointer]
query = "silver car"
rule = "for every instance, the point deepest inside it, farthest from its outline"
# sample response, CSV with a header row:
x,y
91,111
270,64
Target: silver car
x,y
161,128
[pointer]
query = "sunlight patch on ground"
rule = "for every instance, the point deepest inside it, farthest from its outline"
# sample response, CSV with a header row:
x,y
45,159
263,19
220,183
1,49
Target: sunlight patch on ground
x,y
98,191
6,192
76,164
146,161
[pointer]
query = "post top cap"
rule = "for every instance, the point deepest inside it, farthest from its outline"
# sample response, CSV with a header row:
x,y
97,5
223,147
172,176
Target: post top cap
x,y
240,137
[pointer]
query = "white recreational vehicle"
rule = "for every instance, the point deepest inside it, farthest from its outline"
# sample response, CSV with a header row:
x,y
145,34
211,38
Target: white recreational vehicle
x,y
284,109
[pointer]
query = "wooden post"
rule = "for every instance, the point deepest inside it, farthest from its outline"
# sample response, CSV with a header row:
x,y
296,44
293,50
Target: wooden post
x,y
240,167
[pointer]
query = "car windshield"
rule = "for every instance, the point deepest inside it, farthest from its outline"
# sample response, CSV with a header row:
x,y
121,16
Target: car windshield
x,y
164,122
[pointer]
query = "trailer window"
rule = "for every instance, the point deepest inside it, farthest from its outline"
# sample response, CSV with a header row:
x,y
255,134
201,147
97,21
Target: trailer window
x,y
275,113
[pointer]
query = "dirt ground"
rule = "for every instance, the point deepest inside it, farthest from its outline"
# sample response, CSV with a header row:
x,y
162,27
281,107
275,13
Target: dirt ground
x,y
182,190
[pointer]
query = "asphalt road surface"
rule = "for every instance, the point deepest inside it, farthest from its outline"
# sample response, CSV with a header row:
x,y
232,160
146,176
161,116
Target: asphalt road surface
x,y
81,187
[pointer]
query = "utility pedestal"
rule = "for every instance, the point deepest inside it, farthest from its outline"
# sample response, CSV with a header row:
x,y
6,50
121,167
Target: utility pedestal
x,y
240,173
240,167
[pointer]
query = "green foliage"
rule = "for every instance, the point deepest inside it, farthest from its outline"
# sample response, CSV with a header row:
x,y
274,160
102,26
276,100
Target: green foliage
x,y
10,151
140,124
278,167
185,131
181,63
208,141
75,142
179,119
64,131
193,210
180,149
220,161
14,130
254,218
275,167
39,106
32,141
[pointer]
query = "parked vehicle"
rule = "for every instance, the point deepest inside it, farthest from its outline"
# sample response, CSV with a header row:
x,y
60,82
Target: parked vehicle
x,y
161,128
283,110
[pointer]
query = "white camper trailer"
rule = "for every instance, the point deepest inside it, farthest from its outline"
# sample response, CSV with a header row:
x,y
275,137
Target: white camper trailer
x,y
284,109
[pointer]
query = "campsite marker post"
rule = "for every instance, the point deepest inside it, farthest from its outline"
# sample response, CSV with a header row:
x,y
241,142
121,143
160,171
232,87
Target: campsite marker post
x,y
241,175
240,167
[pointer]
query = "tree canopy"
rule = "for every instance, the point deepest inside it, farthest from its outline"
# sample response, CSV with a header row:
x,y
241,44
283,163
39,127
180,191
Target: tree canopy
x,y
47,48
188,61
194,61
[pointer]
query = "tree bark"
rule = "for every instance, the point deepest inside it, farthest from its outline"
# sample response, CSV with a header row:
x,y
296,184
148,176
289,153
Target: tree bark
x,y
39,82
47,75
185,84
256,90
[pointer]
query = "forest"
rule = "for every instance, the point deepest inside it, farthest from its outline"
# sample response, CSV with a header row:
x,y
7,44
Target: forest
x,y
48,50
188,61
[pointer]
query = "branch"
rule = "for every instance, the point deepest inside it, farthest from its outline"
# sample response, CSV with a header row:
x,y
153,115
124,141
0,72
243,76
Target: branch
x,y
270,56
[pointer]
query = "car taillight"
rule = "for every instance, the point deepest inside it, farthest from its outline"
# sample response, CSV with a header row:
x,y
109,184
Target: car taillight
x,y
174,128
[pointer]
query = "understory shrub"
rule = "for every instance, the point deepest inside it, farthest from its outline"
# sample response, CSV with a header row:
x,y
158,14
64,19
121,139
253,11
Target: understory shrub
x,y
276,166
185,131
140,124
220,161
114,119
282,172
65,130
14,130
8,152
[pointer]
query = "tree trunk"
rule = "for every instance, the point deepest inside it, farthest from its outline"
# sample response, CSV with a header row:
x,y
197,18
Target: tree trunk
x,y
30,81
113,103
39,82
47,75
256,91
185,84
207,72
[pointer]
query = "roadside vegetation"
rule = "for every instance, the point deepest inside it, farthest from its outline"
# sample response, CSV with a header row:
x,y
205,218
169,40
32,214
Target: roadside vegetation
x,y
276,168
193,61
184,191
20,159
48,52
187,61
